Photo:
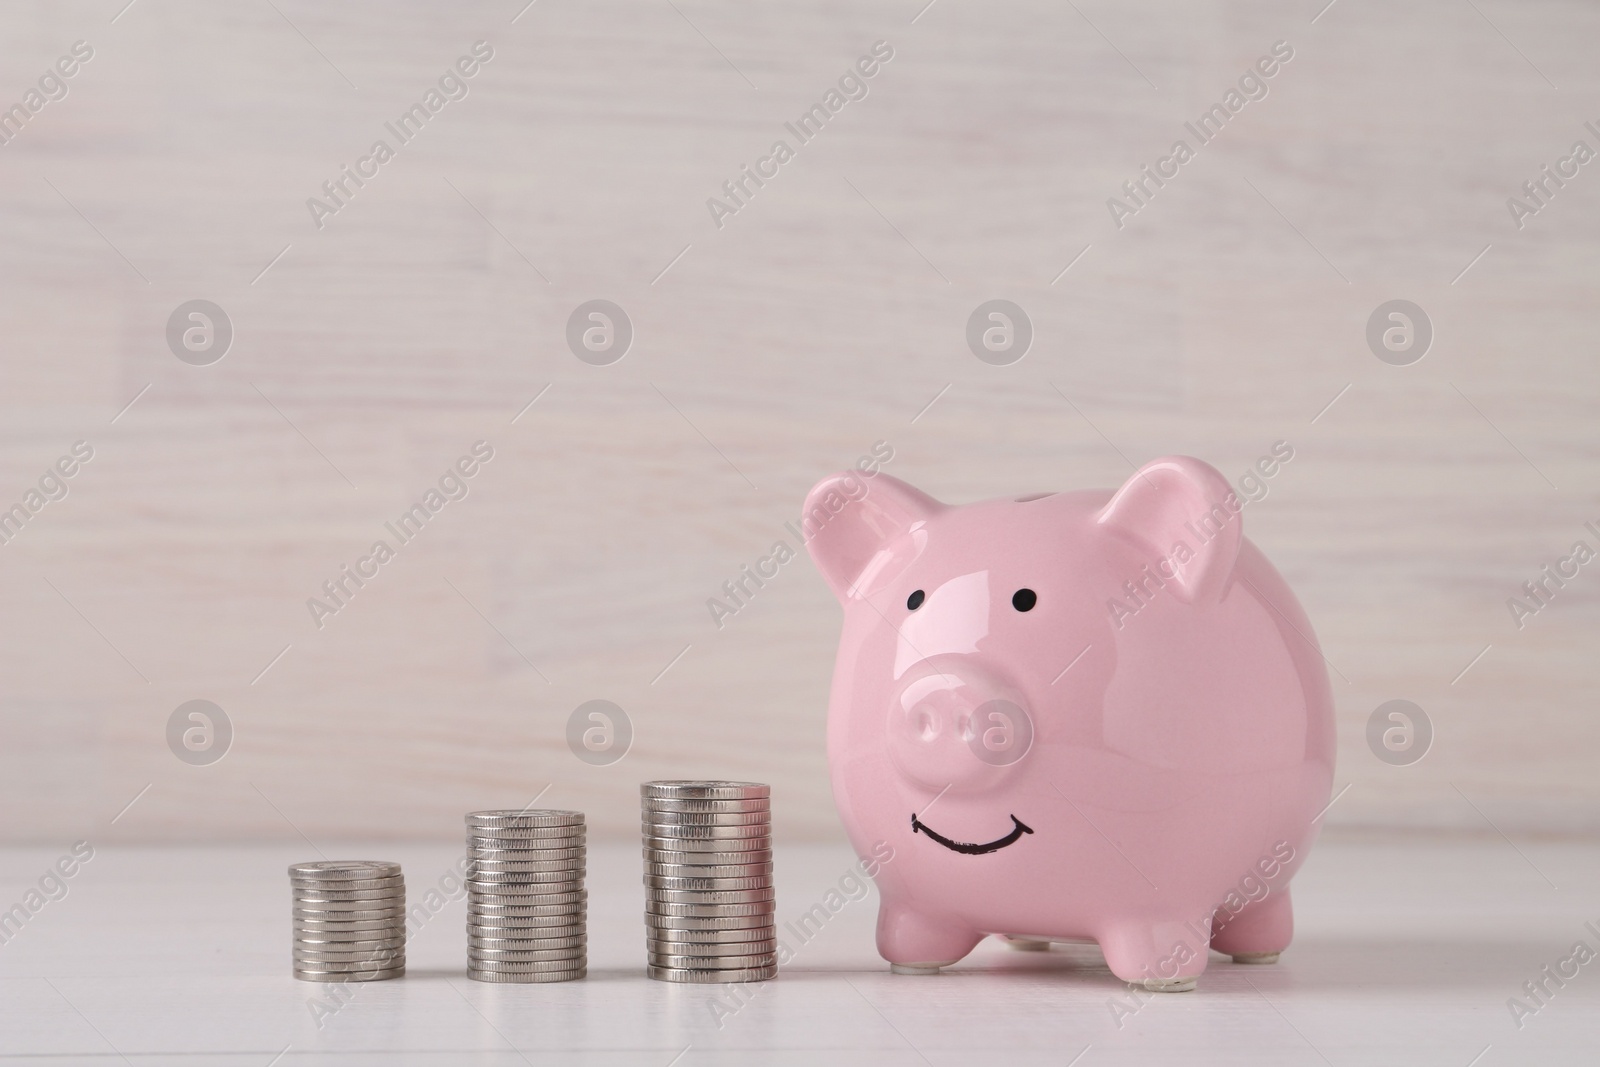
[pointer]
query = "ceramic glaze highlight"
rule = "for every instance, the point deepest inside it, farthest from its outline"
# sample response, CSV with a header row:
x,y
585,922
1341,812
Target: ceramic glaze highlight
x,y
1105,716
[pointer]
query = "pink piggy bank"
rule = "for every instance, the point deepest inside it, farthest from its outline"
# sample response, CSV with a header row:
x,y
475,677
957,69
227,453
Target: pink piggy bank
x,y
1082,715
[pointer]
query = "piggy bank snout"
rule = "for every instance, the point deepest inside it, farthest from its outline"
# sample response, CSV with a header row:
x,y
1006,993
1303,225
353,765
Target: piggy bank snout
x,y
956,728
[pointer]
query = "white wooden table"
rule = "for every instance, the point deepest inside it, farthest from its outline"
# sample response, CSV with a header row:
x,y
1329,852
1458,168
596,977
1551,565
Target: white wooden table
x,y
180,956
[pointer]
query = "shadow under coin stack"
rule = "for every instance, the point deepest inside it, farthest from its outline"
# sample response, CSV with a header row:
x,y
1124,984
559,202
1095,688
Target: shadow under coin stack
x,y
709,902
349,921
526,905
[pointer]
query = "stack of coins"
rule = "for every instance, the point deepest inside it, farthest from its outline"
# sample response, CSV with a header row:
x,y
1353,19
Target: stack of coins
x,y
709,902
526,904
349,921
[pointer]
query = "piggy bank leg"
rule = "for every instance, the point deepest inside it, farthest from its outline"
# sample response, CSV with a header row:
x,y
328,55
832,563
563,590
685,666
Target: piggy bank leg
x,y
1163,957
1260,931
919,944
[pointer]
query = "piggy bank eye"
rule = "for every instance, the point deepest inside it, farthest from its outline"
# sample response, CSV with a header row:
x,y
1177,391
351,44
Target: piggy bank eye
x,y
1024,599
914,601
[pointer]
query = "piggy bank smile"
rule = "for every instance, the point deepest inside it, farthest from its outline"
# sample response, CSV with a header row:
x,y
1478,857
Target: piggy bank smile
x,y
1018,828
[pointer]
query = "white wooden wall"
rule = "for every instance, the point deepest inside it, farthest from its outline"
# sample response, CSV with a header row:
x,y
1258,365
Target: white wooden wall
x,y
823,317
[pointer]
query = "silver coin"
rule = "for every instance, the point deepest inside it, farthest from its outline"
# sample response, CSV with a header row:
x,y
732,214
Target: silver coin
x,y
513,818
708,870
708,818
526,966
702,843
704,860
709,911
574,865
540,937
527,922
346,944
387,949
528,837
529,877
525,944
311,972
397,894
527,933
572,869
344,869
701,976
653,844
521,922
326,914
322,958
350,966
554,955
349,950
509,911
501,851
341,877
666,881
692,790
670,936
718,949
345,885
519,886
728,806
352,942
548,849
710,896
492,937
387,923
305,975
712,963
569,848
491,928
531,922
555,891
337,921
544,903
531,936
481,900
710,922
501,892
303,935
524,978
705,833
377,892
544,848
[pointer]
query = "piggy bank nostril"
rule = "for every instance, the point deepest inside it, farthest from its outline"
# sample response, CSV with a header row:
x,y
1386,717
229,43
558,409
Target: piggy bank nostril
x,y
927,726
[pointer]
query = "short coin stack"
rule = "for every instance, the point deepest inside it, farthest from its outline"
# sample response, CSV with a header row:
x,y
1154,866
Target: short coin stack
x,y
709,902
349,920
526,905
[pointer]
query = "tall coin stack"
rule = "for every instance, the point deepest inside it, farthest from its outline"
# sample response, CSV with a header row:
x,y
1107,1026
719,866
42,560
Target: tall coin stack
x,y
526,905
349,921
709,902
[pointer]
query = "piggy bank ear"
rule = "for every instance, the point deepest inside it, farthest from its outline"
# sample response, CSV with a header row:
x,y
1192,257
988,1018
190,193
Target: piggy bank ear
x,y
1181,509
850,520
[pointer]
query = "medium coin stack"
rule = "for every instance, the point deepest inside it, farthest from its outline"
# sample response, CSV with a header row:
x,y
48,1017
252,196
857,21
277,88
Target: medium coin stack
x,y
349,920
709,902
526,905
